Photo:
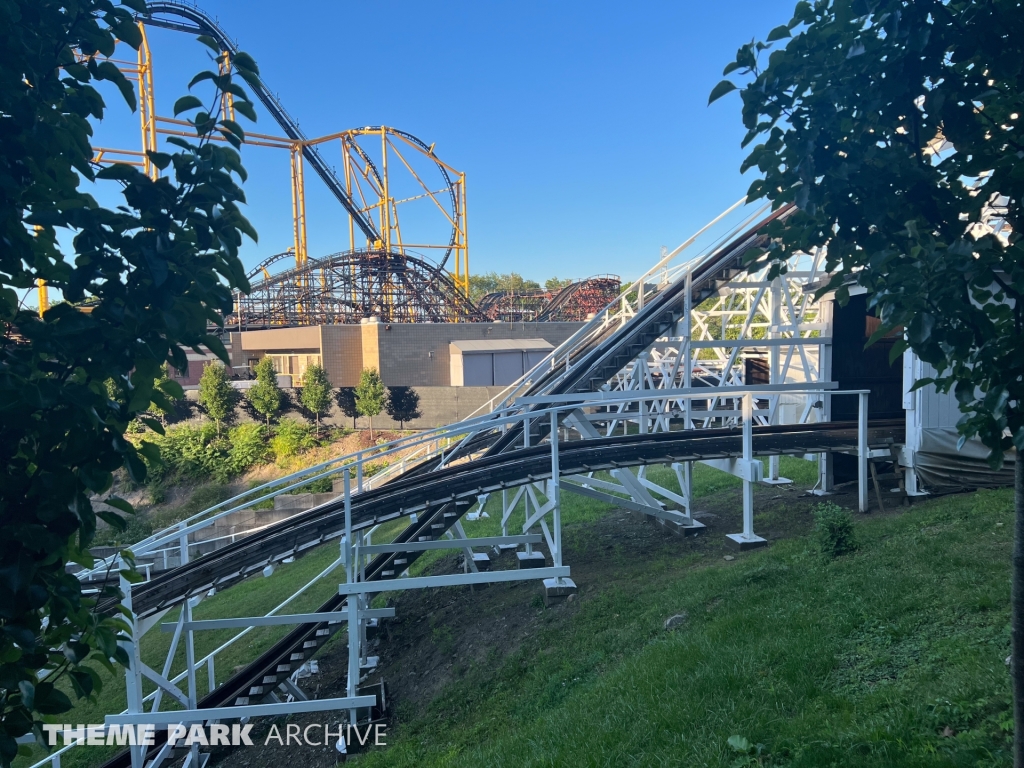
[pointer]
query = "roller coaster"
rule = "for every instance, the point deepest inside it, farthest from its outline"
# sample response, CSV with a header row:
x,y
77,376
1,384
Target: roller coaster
x,y
578,301
388,176
659,376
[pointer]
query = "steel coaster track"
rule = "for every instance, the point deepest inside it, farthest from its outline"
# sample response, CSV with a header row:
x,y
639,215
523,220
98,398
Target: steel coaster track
x,y
441,497
202,24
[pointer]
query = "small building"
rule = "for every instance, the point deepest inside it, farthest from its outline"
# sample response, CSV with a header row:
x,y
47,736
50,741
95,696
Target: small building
x,y
406,354
494,362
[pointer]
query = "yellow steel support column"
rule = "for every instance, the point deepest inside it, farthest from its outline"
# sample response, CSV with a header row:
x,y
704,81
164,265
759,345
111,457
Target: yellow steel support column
x,y
351,220
299,222
298,206
147,108
44,299
227,101
385,203
462,254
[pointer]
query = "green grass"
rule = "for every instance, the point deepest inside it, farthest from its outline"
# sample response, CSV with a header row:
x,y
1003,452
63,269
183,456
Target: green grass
x,y
891,656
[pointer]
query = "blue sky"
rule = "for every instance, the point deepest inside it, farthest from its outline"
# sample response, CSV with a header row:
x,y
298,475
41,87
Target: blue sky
x,y
583,128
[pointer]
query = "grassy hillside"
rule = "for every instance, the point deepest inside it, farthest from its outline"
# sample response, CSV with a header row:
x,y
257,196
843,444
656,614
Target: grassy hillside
x,y
891,656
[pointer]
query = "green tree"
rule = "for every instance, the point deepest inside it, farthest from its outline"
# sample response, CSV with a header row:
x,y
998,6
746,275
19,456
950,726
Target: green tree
x,y
216,394
370,395
403,404
162,410
265,395
894,127
316,392
155,270
481,285
554,284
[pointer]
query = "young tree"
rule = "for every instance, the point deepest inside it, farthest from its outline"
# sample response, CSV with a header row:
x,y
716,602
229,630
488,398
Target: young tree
x,y
403,404
894,127
345,397
265,395
316,392
156,269
370,395
216,394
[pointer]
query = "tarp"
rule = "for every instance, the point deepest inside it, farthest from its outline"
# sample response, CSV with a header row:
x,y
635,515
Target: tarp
x,y
941,467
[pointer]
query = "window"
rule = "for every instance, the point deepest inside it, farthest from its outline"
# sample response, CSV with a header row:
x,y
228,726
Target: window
x,y
294,365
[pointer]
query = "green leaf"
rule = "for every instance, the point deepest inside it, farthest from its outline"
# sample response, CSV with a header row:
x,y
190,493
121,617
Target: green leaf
x,y
115,521
50,700
245,63
245,109
160,159
230,138
210,43
150,450
216,346
186,103
153,424
207,75
171,388
28,694
139,6
781,32
119,172
234,127
132,576
118,503
136,469
720,90
739,744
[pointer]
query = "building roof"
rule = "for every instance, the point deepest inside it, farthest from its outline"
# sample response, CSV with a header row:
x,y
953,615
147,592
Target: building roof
x,y
500,345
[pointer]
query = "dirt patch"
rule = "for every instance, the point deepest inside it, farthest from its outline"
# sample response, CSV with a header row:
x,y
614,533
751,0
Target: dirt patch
x,y
438,633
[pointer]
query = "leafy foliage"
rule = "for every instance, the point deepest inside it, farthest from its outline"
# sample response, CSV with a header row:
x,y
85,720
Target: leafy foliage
x,y
481,285
216,394
316,392
248,447
894,127
265,396
292,437
157,270
556,283
370,395
833,526
403,404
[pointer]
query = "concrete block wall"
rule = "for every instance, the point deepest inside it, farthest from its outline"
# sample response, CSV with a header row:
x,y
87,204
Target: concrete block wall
x,y
439,406
342,353
418,354
405,354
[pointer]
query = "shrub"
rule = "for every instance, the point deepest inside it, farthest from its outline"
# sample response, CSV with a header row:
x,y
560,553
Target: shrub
x,y
321,485
248,447
834,528
292,437
195,452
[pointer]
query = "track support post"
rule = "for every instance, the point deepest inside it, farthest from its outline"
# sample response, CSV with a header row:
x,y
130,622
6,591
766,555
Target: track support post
x,y
752,471
557,589
133,674
348,552
862,451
